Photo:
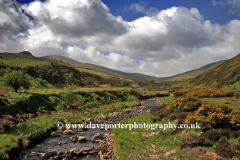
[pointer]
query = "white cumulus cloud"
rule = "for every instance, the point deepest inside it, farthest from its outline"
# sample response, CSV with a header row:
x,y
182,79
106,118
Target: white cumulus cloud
x,y
162,44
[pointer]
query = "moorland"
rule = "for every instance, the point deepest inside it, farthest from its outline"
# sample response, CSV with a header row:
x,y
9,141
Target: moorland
x,y
38,92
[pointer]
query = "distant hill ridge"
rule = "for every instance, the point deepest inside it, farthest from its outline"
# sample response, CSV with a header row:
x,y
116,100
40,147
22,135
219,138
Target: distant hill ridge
x,y
91,68
221,74
137,76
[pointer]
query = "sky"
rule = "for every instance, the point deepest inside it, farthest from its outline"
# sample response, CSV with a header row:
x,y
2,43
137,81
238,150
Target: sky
x,y
153,37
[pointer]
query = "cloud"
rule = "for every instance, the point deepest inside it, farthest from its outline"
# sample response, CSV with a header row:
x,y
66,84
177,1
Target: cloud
x,y
235,5
11,21
142,8
162,44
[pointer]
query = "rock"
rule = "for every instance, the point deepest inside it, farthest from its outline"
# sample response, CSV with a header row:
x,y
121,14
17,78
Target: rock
x,y
68,131
60,153
9,118
85,129
49,154
98,141
60,143
55,157
87,149
82,139
38,114
75,152
96,137
30,116
55,134
103,157
74,138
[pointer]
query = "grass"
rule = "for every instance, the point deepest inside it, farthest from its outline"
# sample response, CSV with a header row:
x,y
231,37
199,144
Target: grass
x,y
231,101
166,100
130,142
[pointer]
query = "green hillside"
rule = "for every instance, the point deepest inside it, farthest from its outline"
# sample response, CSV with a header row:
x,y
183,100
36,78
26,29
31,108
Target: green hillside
x,y
137,76
55,73
105,70
195,72
226,73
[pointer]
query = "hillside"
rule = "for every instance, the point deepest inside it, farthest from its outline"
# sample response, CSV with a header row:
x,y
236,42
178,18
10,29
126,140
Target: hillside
x,y
137,76
105,70
55,73
192,73
221,74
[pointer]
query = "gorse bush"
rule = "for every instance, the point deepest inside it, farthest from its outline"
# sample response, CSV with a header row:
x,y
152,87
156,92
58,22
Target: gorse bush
x,y
184,105
220,116
205,93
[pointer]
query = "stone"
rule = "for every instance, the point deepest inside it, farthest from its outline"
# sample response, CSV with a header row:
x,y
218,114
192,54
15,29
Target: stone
x,y
49,154
30,116
103,157
82,139
75,152
96,137
60,153
74,138
68,131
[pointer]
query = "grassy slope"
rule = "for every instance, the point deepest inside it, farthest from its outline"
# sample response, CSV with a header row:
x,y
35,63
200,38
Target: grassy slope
x,y
182,76
103,69
219,75
133,144
195,72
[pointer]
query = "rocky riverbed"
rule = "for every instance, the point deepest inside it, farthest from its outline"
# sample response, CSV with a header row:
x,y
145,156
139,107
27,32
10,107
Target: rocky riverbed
x,y
83,143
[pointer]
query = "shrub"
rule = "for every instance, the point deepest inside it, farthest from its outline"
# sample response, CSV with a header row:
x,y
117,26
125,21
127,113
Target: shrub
x,y
184,105
125,83
192,141
69,97
205,93
220,116
214,135
224,148
16,79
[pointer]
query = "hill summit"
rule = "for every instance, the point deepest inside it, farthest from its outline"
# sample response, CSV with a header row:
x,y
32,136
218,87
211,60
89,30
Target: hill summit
x,y
226,73
25,53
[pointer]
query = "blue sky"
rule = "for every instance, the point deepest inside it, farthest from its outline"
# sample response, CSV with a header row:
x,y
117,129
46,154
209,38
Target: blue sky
x,y
216,14
155,37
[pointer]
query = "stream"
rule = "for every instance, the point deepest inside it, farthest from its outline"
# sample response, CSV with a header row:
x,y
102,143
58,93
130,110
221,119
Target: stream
x,y
52,143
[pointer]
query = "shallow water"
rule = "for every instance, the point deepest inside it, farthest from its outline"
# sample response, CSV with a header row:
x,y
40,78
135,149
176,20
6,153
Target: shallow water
x,y
52,143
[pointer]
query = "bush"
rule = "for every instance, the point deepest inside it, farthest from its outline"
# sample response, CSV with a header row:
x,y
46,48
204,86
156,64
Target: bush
x,y
192,141
235,79
220,116
184,105
214,135
16,79
69,97
224,148
125,83
205,93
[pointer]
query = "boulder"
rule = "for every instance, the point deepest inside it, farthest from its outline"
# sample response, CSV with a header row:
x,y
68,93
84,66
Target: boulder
x,y
75,152
49,154
97,136
74,138
38,114
68,131
103,157
82,139
30,116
